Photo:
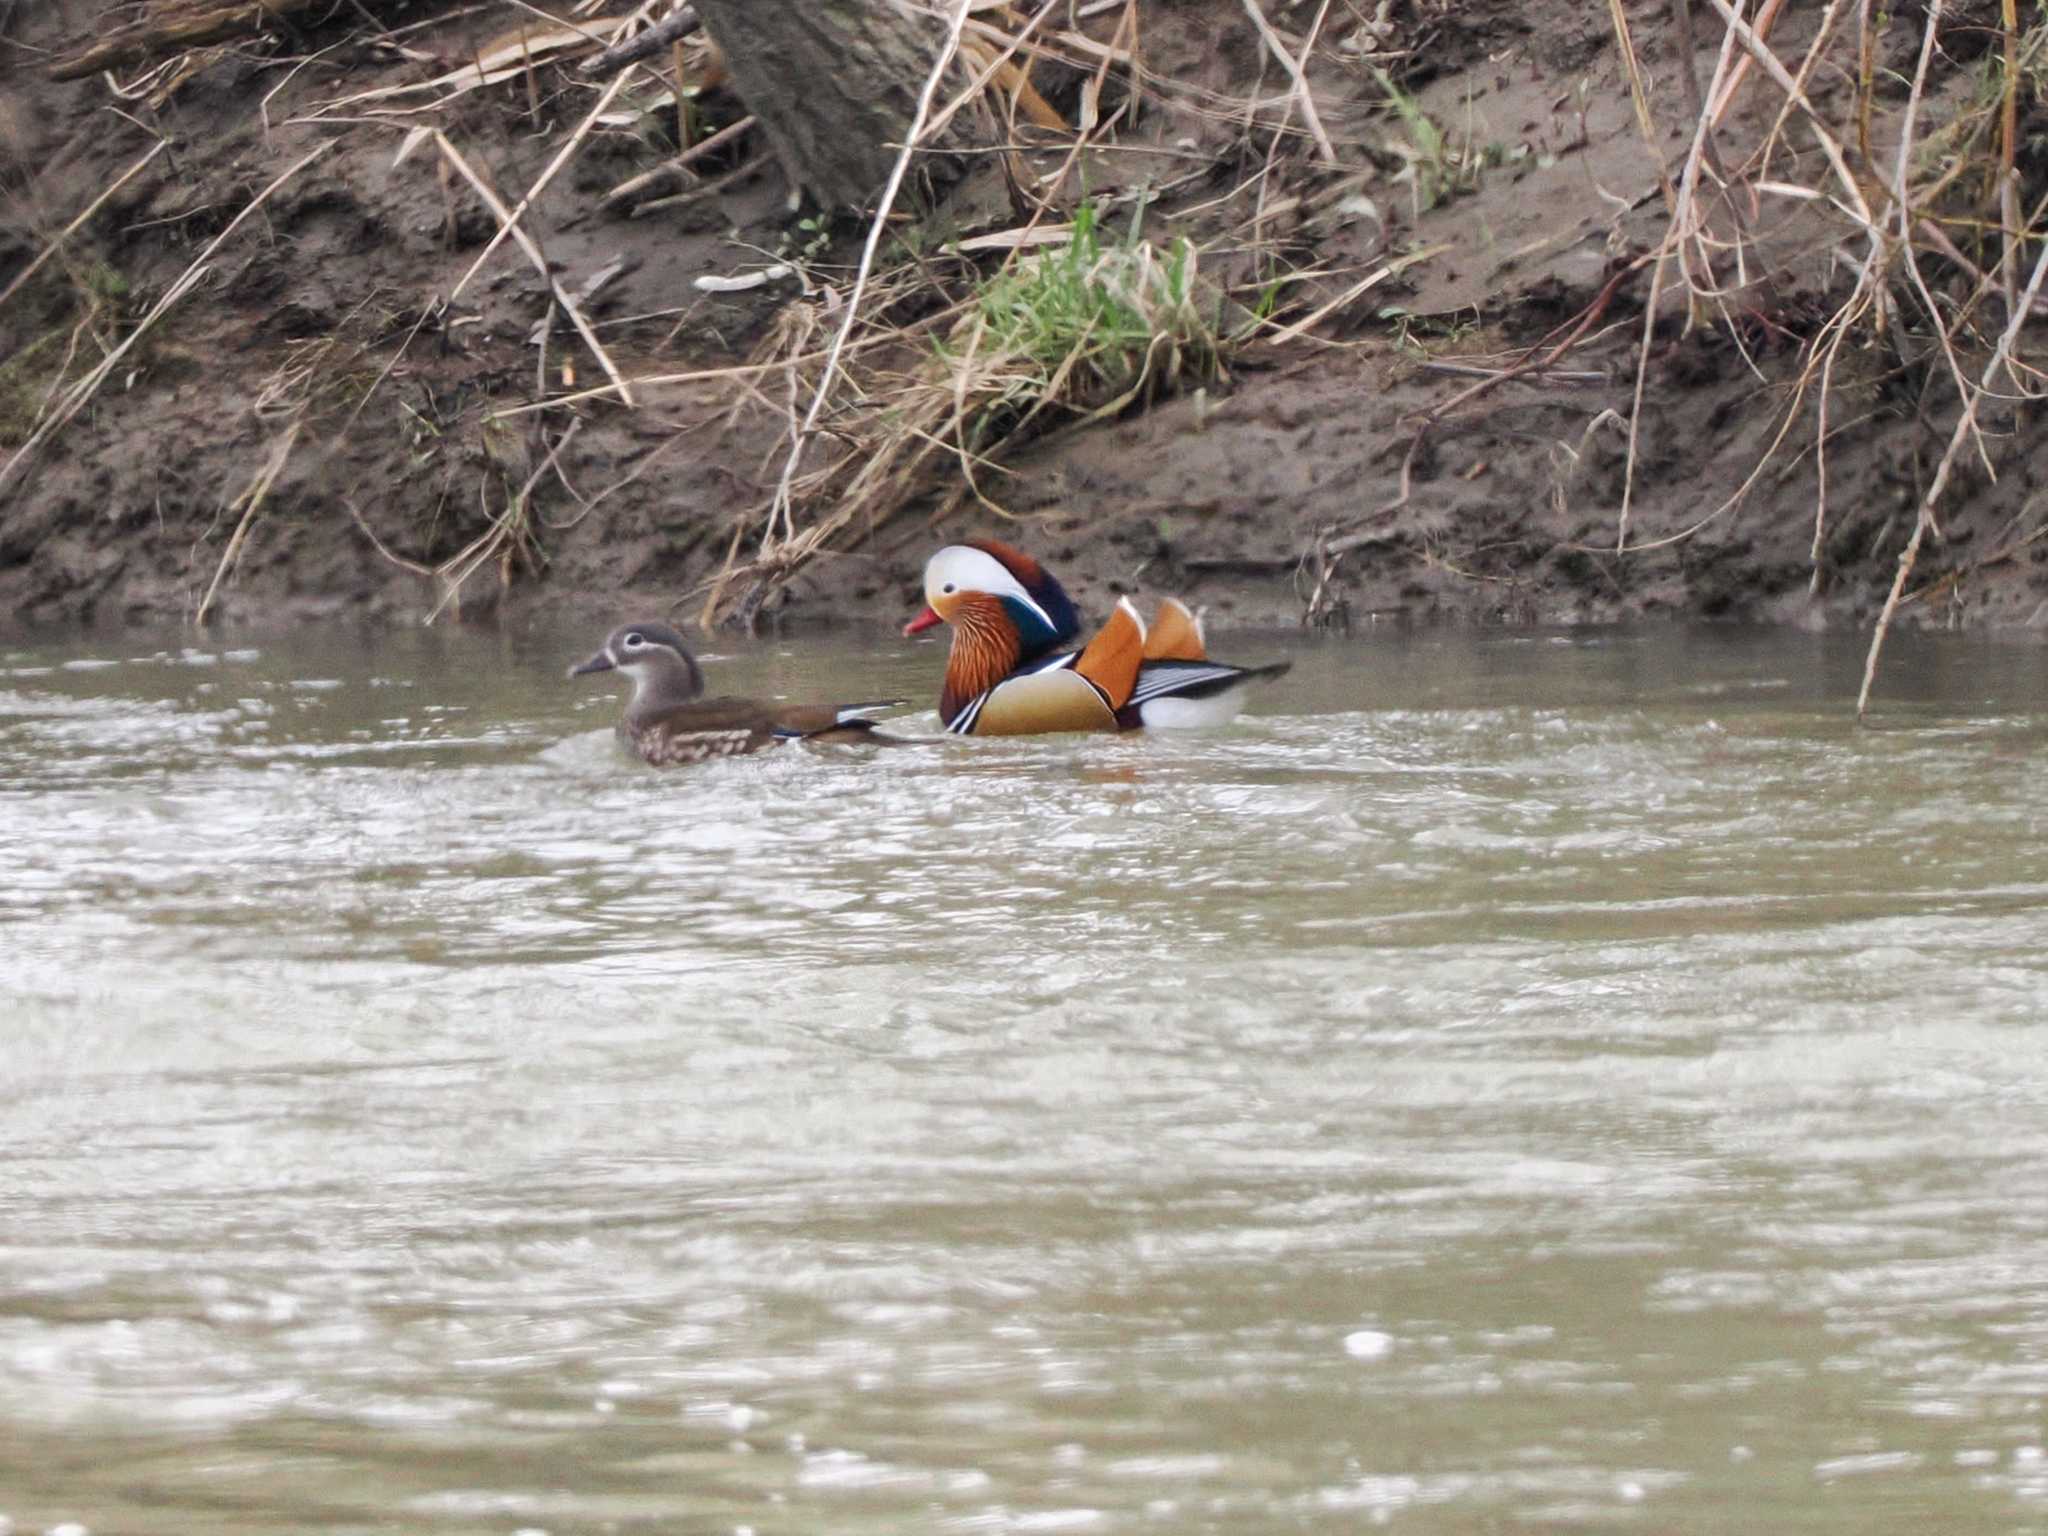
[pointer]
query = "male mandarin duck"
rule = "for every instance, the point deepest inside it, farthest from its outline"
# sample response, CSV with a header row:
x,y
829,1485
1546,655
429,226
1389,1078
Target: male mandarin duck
x,y
667,723
1012,670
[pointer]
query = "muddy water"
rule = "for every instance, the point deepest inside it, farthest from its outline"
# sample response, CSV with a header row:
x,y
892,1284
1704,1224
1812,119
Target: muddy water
x,y
1508,1080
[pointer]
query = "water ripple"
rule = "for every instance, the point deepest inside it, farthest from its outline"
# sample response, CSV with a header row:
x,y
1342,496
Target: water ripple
x,y
1506,1079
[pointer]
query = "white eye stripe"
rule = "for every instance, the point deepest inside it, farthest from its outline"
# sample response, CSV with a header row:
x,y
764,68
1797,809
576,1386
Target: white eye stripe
x,y
963,568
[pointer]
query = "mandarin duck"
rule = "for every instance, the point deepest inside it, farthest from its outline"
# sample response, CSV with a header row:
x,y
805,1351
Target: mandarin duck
x,y
667,723
1014,670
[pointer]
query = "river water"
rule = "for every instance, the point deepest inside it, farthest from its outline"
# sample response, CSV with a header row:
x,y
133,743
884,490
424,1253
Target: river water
x,y
1507,1080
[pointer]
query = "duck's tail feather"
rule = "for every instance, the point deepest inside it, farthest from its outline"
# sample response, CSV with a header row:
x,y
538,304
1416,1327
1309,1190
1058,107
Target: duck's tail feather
x,y
1197,680
848,714
861,733
1176,634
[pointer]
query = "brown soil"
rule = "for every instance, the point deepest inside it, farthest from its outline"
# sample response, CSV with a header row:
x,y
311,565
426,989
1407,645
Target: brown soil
x,y
1513,499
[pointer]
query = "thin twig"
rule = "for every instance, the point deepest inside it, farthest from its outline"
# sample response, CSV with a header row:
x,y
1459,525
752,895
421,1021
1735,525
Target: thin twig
x,y
1302,95
1902,210
78,394
73,227
562,158
380,546
1538,357
1965,424
525,243
709,145
779,506
252,500
673,27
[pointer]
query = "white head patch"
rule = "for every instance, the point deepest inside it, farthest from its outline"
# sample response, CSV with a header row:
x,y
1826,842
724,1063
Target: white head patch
x,y
962,568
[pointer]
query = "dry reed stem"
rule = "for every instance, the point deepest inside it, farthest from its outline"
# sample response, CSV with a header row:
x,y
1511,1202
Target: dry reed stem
x,y
708,145
779,507
1090,114
251,501
540,185
1965,425
1820,451
734,371
509,533
1766,18
1685,229
57,240
1858,208
596,39
533,254
1363,286
1902,209
1004,57
1688,232
1635,409
507,60
1824,31
1645,122
76,397
2010,231
1688,225
1301,96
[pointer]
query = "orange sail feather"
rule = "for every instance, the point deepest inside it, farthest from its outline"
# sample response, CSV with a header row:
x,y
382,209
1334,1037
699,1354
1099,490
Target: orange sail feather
x,y
1111,660
1175,635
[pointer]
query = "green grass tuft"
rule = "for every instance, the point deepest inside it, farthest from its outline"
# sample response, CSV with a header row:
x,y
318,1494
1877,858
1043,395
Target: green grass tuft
x,y
1090,326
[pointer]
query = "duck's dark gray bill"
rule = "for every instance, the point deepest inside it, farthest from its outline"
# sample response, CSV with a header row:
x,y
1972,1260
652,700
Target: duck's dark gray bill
x,y
598,663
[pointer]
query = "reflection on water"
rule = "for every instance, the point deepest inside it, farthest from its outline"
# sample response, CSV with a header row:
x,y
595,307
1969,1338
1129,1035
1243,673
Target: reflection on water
x,y
1507,1079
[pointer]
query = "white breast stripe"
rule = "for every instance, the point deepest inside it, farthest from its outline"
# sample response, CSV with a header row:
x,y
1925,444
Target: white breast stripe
x,y
962,724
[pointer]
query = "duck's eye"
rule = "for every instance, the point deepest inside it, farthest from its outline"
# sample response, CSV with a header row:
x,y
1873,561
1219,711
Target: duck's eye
x,y
633,642
948,588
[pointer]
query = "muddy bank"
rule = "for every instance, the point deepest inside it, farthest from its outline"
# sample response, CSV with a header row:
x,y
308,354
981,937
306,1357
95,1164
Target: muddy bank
x,y
319,393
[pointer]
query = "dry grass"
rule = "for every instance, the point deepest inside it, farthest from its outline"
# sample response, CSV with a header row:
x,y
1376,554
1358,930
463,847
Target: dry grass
x,y
910,381
1016,332
74,397
1068,333
1920,206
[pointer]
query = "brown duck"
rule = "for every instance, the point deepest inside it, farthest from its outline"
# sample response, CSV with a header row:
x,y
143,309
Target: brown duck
x,y
668,723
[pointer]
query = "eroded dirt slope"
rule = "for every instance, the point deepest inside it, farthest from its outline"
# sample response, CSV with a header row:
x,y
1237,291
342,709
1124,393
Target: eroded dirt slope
x,y
326,319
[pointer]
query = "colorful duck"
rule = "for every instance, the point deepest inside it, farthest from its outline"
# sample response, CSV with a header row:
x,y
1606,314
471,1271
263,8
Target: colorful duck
x,y
1013,671
667,723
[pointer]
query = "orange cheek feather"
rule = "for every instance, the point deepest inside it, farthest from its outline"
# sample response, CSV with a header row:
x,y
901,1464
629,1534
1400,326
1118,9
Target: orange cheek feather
x,y
943,609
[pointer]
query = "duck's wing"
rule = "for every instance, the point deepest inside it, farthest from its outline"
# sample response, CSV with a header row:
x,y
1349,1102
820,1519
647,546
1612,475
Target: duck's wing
x,y
703,729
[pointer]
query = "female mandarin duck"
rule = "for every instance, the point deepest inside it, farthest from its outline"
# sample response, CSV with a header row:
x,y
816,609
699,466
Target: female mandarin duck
x,y
1011,671
667,723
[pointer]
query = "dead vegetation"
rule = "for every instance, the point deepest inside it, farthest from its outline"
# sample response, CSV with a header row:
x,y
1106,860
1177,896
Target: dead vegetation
x,y
1912,180
1854,209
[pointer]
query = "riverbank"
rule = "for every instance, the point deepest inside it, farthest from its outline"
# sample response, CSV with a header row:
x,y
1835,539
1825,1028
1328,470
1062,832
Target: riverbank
x,y
332,419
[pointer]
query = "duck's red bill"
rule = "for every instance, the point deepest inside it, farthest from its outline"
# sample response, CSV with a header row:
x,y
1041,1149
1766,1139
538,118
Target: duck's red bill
x,y
922,622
